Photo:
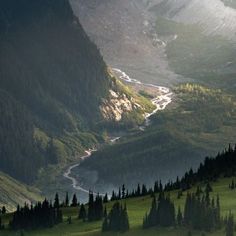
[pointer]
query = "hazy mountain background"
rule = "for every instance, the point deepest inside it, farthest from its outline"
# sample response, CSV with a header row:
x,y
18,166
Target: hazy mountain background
x,y
141,36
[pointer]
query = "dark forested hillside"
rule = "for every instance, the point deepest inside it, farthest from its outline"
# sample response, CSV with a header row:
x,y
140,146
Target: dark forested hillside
x,y
52,79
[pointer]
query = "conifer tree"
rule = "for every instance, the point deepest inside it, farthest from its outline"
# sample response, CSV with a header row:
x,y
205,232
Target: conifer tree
x,y
123,191
67,200
230,225
1,225
179,217
105,199
117,219
105,226
144,190
82,213
74,201
124,221
119,194
56,201
4,210
91,210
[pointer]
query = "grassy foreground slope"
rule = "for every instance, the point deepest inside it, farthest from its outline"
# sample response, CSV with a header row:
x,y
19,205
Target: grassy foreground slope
x,y
137,207
13,193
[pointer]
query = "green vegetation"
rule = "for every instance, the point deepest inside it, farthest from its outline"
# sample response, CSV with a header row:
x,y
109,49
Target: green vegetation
x,y
137,208
198,122
53,80
13,192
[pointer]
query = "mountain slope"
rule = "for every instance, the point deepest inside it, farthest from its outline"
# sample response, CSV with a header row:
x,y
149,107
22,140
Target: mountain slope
x,y
212,16
13,193
52,78
137,46
53,81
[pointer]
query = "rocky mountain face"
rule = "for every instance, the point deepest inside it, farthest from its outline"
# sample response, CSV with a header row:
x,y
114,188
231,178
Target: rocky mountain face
x,y
126,31
212,16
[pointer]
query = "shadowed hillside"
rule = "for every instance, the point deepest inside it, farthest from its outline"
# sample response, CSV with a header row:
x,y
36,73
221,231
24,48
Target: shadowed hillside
x,y
52,79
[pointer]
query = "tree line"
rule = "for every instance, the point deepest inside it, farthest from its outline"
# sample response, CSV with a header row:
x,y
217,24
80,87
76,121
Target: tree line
x,y
42,215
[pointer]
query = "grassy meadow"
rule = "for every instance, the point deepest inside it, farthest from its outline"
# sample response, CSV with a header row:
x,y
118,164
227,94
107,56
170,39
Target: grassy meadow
x,y
137,208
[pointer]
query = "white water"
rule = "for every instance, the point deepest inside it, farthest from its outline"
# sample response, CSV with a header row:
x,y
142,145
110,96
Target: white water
x,y
67,174
161,102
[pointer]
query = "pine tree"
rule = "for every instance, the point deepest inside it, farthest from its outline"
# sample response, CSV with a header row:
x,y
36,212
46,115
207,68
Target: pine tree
x,y
153,217
56,201
67,200
105,199
1,226
82,213
124,224
91,210
144,190
4,210
123,191
74,201
117,219
138,191
179,217
230,225
105,226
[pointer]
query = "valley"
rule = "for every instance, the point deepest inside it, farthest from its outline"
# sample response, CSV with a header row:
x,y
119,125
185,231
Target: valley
x,y
107,98
160,102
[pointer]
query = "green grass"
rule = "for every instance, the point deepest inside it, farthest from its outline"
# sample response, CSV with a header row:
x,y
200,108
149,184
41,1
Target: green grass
x,y
137,207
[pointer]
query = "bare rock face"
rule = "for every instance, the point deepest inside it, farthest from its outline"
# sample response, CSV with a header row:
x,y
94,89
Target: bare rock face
x,y
213,16
113,108
124,30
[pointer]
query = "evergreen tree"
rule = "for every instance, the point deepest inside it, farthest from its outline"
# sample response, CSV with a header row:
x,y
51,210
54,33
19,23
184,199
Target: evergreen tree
x,y
82,213
91,210
56,201
105,225
162,214
230,225
144,190
119,194
123,191
4,210
1,225
67,200
117,219
74,201
153,217
179,217
98,208
42,215
138,191
124,221
232,186
105,199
